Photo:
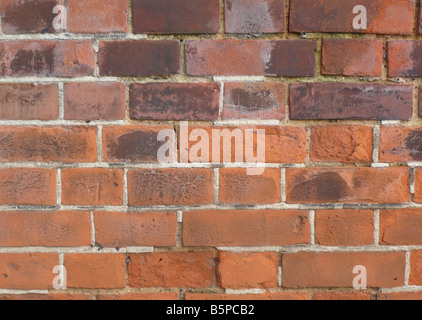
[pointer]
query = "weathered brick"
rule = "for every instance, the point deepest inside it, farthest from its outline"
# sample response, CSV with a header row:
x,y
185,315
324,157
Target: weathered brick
x,y
46,297
348,57
132,143
225,228
341,296
28,16
415,268
64,144
348,185
117,229
139,58
45,229
405,58
25,101
282,144
140,296
94,101
170,187
384,16
344,227
337,101
335,269
95,271
255,16
27,186
406,296
172,269
262,296
247,270
418,186
237,187
254,100
289,58
347,144
174,101
27,271
401,227
176,16
97,16
92,187
46,58
400,144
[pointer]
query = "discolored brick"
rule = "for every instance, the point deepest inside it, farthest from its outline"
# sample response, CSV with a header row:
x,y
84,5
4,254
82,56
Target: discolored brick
x,y
400,144
405,58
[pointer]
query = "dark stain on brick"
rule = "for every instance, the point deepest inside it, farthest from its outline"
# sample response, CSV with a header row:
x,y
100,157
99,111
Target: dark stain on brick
x,y
29,17
293,58
252,101
325,187
135,146
34,62
416,57
414,144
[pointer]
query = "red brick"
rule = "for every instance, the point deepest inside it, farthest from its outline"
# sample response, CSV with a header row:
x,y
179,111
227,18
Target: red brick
x,y
170,187
348,185
254,16
27,271
28,16
98,187
61,144
172,269
335,269
119,229
282,144
174,101
27,186
45,58
418,186
339,101
288,58
266,100
247,270
97,16
45,297
225,228
400,144
348,57
45,229
400,296
401,227
139,58
262,296
94,101
95,271
405,58
176,16
341,296
237,187
415,268
140,296
25,101
132,143
384,16
344,227
347,144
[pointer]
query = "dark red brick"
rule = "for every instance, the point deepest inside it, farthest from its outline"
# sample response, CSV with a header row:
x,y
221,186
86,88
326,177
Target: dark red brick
x,y
288,58
139,58
405,58
174,101
254,16
176,16
384,16
336,101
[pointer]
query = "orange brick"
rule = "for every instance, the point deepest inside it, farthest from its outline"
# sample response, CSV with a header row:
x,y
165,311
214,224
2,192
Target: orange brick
x,y
401,227
140,296
415,268
263,296
341,296
400,144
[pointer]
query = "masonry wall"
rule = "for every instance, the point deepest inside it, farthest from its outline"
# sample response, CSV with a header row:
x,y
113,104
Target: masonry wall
x,y
81,185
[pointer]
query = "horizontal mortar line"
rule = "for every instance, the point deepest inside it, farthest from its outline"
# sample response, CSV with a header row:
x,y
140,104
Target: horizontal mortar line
x,y
408,289
319,248
19,292
248,291
57,79
68,250
76,36
17,123
248,122
239,78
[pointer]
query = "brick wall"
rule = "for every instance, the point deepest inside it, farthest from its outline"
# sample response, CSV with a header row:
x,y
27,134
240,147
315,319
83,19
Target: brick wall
x,y
81,185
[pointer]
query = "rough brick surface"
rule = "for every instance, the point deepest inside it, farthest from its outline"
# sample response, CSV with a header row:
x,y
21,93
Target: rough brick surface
x,y
334,101
282,296
400,144
255,16
400,227
415,268
405,58
176,16
384,16
352,57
